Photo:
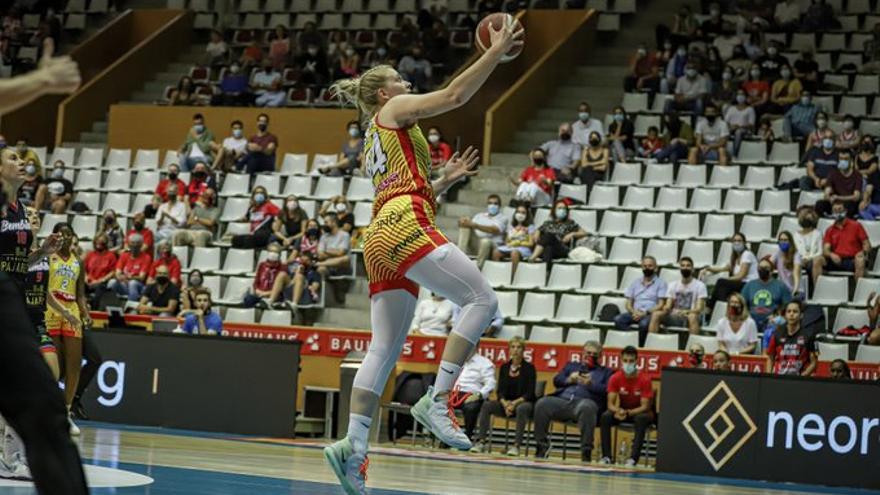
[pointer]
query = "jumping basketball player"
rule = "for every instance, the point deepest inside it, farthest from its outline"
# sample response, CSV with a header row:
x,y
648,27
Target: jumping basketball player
x,y
404,249
29,396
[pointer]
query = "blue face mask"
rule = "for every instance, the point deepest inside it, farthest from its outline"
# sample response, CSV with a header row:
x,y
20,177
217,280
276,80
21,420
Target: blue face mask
x,y
618,117
199,128
843,164
259,198
740,99
784,246
584,116
828,143
629,368
493,209
779,321
561,214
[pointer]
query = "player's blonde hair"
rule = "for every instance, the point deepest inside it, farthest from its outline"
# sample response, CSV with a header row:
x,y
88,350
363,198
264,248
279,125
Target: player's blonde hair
x,y
363,91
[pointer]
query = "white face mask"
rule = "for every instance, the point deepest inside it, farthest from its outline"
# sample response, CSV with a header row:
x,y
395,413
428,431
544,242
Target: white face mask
x,y
292,205
273,256
340,207
519,217
433,138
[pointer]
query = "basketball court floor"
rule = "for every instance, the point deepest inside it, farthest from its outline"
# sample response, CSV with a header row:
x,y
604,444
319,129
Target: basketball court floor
x,y
141,461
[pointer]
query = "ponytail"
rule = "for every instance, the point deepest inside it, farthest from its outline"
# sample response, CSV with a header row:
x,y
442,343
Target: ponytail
x,y
362,92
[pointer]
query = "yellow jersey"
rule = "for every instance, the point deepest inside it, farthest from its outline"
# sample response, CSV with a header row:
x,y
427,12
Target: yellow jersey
x,y
398,161
63,276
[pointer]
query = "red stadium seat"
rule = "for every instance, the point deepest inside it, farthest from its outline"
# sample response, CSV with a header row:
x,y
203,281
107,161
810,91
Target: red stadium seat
x,y
290,77
461,39
365,39
299,97
242,37
199,74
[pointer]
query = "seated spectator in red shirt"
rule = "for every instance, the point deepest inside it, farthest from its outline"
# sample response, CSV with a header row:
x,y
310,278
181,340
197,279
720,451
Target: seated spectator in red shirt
x,y
139,227
844,183
168,259
264,281
260,215
303,288
644,71
261,149
651,144
131,270
200,180
792,349
100,267
846,245
535,183
629,400
171,178
440,149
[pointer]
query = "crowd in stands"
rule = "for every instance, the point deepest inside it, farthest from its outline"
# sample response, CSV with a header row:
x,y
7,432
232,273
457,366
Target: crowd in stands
x,y
28,29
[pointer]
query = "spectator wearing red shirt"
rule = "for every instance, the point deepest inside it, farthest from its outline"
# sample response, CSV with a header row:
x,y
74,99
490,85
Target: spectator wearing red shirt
x,y
629,401
440,149
162,188
131,270
260,215
200,181
100,267
792,349
757,89
535,183
260,149
846,245
267,272
139,227
644,71
168,259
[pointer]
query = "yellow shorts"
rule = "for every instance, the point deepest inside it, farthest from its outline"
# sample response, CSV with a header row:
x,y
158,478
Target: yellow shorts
x,y
401,233
57,325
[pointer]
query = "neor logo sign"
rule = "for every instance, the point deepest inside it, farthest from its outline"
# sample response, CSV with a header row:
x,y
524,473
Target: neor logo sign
x,y
719,426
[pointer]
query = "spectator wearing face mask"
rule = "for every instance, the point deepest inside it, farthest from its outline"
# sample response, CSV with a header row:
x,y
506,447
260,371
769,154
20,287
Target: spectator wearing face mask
x,y
736,331
800,119
233,149
313,64
233,90
201,319
595,160
713,26
263,80
200,181
110,228
535,184
788,263
771,63
308,243
433,317
684,302
167,259
845,245
643,296
290,224
138,227
866,158
378,56
161,297
740,119
721,361
59,190
690,92
267,272
340,207
334,248
644,72
100,266
33,189
260,215
711,139
807,70
869,207
724,93
675,69
785,92
519,241
849,138
274,97
347,62
679,137
742,268
194,282
820,163
652,144
199,145
765,295
696,352
349,159
441,152
808,240
843,184
261,149
303,288
585,125
620,136
170,179
792,348
821,130
171,216
252,53
27,154
131,270
216,51
557,235
563,154
488,227
757,88
415,68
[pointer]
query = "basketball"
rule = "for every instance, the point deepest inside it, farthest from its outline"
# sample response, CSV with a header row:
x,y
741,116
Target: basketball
x,y
484,36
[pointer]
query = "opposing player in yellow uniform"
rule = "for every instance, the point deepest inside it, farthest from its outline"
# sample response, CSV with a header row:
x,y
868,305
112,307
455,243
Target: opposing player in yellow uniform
x,y
404,249
67,287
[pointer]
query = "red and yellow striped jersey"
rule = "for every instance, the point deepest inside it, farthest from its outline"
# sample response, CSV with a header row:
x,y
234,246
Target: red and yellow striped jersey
x,y
398,161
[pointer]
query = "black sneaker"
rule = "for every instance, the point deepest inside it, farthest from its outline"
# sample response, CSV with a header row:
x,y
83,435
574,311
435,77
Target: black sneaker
x,y
78,411
542,453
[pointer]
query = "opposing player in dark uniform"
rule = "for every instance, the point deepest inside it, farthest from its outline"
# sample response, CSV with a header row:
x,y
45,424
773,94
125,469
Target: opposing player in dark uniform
x,y
30,399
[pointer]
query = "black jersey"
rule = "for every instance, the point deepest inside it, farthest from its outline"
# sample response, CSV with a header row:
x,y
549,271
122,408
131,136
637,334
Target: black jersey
x,y
15,243
36,283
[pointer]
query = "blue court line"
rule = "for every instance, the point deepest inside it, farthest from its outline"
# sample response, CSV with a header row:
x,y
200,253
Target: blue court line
x,y
685,478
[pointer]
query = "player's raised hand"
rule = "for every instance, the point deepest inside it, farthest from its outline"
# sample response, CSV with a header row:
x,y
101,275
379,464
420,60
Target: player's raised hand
x,y
462,165
51,244
506,37
61,74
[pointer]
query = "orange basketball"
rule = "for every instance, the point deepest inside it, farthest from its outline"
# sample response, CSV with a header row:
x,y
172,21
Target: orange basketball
x,y
484,36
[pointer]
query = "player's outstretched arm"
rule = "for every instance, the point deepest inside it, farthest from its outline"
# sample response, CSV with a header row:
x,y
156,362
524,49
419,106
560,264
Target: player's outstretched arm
x,y
405,109
54,75
457,168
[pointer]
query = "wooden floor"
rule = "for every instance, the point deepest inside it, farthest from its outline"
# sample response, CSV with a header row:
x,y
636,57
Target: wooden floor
x,y
128,461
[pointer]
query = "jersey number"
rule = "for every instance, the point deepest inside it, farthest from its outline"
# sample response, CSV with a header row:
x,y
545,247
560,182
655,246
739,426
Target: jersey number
x,y
22,237
376,158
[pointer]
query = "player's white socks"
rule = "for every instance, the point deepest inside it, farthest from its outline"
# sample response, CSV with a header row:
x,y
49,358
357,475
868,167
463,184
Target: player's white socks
x,y
359,431
447,374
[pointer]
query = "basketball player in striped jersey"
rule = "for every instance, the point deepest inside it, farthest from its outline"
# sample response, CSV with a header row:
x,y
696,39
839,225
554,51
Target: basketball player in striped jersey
x,y
403,248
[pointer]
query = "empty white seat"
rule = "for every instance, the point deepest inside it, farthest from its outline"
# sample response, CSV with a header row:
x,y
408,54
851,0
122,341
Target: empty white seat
x,y
238,261
363,213
718,226
580,336
498,273
649,224
624,251
752,152
830,291
573,308
294,164
141,201
206,259
508,332
49,221
236,185
235,290
529,276
118,202
573,191
537,307
775,202
564,277
658,175
328,187
740,201
671,199
665,252
850,317
604,196
585,218
90,158
718,312
146,181
866,84
706,200
691,176
360,189
616,223
234,209
630,274
600,278
864,287
625,174
117,180
321,159
271,182
710,344
872,228
90,199
725,177
635,102
868,353
508,302
240,315
683,226
830,351
638,198
759,178
785,153
299,186
118,158
618,339
853,105
756,228
552,335
87,180
661,341
85,226
63,154
275,317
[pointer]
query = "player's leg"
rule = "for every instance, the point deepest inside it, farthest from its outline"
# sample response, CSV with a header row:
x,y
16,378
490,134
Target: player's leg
x,y
449,272
93,362
72,366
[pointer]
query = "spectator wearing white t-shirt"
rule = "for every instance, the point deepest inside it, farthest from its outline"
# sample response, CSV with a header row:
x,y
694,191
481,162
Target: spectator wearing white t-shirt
x,y
433,316
264,80
488,226
711,135
740,119
808,240
685,301
737,332
171,215
233,149
742,268
585,125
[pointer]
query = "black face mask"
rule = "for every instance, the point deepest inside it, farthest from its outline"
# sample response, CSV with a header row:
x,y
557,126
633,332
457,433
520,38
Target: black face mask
x,y
711,118
195,281
807,223
595,142
162,279
648,272
138,226
172,176
867,147
565,136
200,175
764,274
538,161
313,232
262,127
325,228
686,272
